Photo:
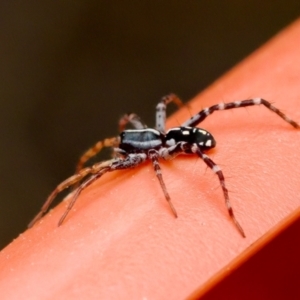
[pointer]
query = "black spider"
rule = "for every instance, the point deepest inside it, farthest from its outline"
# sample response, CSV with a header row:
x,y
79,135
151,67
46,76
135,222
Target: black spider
x,y
134,146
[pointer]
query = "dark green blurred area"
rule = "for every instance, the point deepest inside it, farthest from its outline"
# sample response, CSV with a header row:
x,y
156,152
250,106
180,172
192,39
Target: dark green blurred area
x,y
70,69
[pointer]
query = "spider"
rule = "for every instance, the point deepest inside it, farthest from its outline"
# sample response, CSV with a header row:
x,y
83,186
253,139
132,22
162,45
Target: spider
x,y
135,146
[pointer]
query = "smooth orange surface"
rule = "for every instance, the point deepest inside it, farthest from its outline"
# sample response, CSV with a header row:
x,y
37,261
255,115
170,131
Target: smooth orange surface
x,y
121,240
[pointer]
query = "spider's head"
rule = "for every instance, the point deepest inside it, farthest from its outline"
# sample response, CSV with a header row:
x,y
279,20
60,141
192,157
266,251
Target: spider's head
x,y
190,135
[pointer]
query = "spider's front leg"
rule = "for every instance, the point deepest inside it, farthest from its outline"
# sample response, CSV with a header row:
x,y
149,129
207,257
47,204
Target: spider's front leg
x,y
132,119
217,170
130,161
67,183
109,142
201,116
161,111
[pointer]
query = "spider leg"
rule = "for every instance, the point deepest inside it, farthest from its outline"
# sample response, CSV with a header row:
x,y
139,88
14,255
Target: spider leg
x,y
64,185
199,117
133,119
78,191
154,155
172,151
130,161
161,111
216,169
109,142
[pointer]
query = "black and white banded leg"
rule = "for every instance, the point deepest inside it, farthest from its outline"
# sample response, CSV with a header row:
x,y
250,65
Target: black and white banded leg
x,y
184,147
198,118
82,186
133,119
217,170
131,161
161,111
154,156
74,179
173,151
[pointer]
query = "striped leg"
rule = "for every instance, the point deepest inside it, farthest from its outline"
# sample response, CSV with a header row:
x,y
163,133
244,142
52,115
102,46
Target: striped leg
x,y
109,142
172,151
161,111
198,118
153,155
220,175
67,183
131,161
132,119
78,191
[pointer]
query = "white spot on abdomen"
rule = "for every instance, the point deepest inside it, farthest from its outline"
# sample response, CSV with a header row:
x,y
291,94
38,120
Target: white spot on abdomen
x,y
208,143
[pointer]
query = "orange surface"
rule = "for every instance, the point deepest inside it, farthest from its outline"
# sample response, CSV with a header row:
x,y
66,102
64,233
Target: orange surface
x,y
121,240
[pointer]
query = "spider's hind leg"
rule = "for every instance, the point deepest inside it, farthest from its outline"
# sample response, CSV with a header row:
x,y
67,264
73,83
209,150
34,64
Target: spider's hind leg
x,y
132,119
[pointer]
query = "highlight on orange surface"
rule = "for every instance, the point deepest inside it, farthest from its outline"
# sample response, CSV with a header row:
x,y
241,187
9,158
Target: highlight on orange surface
x,y
121,240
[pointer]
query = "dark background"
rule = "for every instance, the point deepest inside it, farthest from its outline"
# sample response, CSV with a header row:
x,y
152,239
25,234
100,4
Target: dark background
x,y
70,69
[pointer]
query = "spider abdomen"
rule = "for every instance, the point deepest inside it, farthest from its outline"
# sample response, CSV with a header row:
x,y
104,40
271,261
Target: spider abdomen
x,y
191,135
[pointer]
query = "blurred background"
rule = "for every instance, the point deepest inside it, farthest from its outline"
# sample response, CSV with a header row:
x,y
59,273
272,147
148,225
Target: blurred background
x,y
70,69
